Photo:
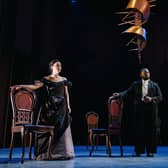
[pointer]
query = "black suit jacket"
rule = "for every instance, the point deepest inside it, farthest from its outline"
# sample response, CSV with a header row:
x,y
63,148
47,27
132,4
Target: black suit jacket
x,y
154,92
136,90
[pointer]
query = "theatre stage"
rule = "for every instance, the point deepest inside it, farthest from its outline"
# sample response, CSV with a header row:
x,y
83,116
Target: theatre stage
x,y
99,159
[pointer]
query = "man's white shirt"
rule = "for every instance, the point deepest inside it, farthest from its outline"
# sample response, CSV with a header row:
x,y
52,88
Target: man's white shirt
x,y
144,88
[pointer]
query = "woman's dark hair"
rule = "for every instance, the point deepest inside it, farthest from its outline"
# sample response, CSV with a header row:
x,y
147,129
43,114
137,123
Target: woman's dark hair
x,y
51,63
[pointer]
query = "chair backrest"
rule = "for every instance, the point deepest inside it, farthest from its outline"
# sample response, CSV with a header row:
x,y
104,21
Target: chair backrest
x,y
23,102
92,119
115,112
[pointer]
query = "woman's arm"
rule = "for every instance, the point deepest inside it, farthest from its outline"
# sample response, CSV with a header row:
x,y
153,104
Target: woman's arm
x,y
34,86
67,99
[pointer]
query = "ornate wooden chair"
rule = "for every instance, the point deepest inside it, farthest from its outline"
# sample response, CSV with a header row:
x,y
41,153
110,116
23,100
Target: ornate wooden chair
x,y
94,132
23,103
115,112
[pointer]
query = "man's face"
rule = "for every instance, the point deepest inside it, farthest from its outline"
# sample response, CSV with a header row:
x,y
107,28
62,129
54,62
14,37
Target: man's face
x,y
145,74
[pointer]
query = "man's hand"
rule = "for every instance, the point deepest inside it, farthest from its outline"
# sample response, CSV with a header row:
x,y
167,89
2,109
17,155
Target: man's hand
x,y
114,96
147,99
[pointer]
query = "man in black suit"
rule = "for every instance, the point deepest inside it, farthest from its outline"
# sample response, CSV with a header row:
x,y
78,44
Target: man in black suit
x,y
146,96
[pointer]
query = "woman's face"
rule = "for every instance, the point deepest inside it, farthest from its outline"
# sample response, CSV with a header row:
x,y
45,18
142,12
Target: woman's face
x,y
56,68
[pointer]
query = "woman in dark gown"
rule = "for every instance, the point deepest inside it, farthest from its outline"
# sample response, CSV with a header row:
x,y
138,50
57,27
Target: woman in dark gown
x,y
55,110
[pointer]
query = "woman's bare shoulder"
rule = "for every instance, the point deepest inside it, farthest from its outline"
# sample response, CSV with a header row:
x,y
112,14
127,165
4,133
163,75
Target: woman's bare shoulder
x,y
47,77
63,77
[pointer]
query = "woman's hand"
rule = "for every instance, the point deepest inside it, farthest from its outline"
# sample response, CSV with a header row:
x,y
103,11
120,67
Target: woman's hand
x,y
69,109
16,87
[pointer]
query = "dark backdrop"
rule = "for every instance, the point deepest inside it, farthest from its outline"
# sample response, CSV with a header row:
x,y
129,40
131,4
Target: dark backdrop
x,y
85,36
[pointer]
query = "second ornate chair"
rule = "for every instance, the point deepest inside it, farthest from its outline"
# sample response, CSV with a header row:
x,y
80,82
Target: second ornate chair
x,y
115,113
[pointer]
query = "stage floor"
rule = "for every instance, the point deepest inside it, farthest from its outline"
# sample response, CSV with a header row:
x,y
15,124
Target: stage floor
x,y
99,159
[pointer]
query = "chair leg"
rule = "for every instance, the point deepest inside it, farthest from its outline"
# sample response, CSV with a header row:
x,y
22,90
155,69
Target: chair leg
x,y
23,134
30,146
51,139
49,149
108,144
35,144
11,146
92,139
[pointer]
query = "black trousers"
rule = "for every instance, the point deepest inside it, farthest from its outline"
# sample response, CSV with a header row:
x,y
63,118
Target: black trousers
x,y
145,129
